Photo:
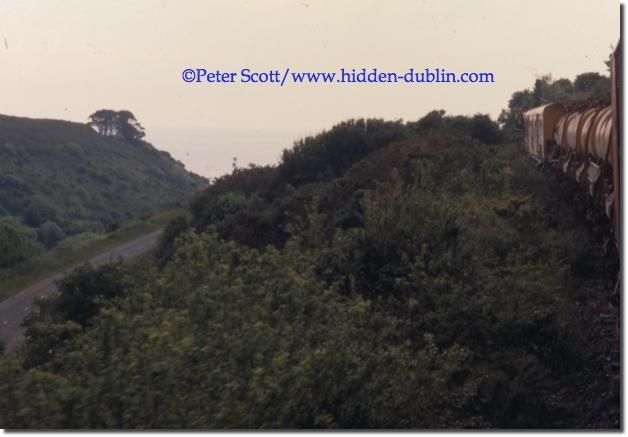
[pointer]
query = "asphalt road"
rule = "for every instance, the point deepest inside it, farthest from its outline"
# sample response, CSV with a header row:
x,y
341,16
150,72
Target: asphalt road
x,y
13,310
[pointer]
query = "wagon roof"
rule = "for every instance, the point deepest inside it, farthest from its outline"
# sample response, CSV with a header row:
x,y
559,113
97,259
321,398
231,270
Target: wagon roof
x,y
541,109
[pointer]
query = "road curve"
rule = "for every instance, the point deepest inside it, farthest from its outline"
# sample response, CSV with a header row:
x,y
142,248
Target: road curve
x,y
13,310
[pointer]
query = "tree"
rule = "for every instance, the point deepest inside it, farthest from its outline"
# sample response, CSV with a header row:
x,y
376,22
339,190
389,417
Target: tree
x,y
165,249
17,242
484,129
432,120
104,121
83,292
593,84
50,234
130,129
37,213
121,125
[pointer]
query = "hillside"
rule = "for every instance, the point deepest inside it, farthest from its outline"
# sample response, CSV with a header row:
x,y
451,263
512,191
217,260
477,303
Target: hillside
x,y
63,178
382,275
60,179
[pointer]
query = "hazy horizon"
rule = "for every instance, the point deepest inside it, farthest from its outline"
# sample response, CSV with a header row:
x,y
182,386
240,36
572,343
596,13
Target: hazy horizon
x,y
66,59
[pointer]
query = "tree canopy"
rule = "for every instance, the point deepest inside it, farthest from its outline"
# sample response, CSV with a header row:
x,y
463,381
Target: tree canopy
x,y
117,124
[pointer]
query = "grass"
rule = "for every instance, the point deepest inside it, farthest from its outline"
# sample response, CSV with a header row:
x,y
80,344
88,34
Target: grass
x,y
76,250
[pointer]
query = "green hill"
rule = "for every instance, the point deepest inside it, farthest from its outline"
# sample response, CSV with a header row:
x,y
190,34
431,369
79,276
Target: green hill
x,y
63,178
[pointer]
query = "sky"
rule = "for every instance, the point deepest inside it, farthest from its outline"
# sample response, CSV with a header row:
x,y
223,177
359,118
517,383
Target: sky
x,y
65,59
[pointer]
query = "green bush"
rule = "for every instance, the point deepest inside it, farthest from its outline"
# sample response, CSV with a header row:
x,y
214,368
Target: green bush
x,y
50,234
17,242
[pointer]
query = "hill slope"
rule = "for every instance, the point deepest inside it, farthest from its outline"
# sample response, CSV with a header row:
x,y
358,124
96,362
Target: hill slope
x,y
66,173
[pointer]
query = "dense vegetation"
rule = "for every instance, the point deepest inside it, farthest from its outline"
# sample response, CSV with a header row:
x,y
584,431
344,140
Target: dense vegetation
x,y
60,179
383,275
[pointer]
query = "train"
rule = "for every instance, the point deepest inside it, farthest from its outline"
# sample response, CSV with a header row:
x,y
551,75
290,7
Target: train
x,y
582,140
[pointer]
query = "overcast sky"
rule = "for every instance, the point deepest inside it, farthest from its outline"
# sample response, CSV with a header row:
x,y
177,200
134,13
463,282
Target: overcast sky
x,y
66,59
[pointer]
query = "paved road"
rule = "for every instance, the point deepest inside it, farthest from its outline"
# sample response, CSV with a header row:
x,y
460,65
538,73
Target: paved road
x,y
13,310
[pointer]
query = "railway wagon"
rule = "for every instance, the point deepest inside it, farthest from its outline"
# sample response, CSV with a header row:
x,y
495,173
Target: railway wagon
x,y
539,129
